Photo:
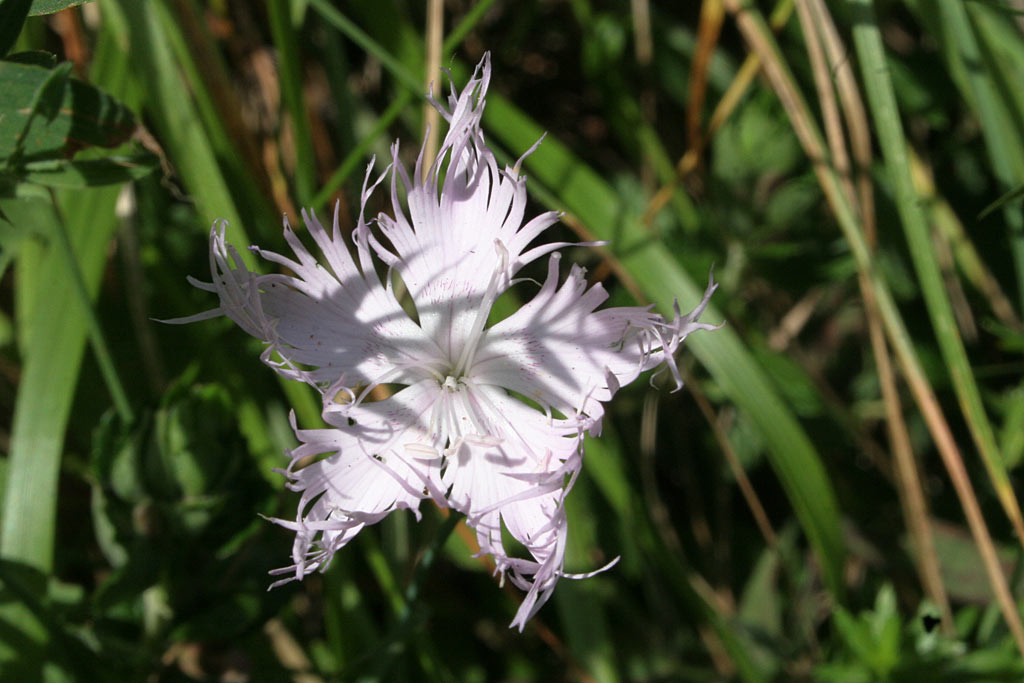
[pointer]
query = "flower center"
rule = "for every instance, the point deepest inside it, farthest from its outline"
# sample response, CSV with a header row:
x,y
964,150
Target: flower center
x,y
450,384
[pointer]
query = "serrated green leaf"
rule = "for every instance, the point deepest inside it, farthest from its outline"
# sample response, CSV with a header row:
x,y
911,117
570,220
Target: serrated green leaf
x,y
79,174
79,115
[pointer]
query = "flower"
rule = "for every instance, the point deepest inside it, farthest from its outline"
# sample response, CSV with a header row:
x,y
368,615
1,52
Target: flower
x,y
489,421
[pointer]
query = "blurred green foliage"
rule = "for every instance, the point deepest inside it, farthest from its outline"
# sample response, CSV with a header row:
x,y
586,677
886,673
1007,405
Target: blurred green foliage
x,y
136,479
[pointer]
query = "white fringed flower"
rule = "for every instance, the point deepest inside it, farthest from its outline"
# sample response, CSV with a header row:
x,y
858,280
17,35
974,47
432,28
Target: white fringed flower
x,y
458,431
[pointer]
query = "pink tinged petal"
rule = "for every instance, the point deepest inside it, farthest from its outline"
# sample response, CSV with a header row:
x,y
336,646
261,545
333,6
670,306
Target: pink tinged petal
x,y
374,467
509,465
563,353
324,322
442,245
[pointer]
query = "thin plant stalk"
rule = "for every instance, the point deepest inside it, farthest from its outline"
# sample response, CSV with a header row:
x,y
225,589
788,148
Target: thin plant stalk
x,y
726,106
742,480
431,117
96,337
759,38
358,154
894,146
845,82
812,17
970,262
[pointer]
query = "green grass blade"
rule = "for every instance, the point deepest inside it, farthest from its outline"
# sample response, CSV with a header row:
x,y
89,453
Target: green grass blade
x,y
358,153
290,77
176,118
53,324
53,355
198,55
97,339
189,145
882,103
1003,141
363,40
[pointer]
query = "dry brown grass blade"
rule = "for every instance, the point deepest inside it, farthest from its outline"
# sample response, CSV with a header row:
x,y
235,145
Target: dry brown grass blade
x,y
826,98
814,18
642,38
730,100
841,69
753,30
712,14
431,117
746,488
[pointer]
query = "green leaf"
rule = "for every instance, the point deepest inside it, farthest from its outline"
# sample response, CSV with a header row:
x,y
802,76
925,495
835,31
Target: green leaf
x,y
73,114
79,174
42,58
53,350
53,6
856,634
12,17
49,96
55,328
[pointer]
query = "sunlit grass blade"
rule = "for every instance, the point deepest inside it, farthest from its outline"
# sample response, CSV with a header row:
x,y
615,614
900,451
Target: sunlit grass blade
x,y
178,122
188,143
894,148
882,102
53,355
220,107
